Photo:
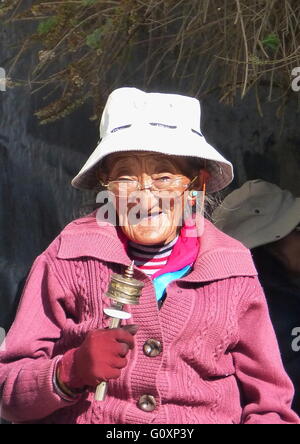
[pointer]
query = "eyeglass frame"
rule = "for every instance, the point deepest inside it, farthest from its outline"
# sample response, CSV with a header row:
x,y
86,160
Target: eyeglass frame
x,y
150,187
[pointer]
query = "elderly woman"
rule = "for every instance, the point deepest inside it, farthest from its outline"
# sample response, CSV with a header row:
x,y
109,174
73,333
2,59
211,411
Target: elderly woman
x,y
199,347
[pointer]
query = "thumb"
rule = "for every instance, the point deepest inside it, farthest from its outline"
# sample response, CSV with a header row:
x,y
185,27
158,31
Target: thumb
x,y
132,329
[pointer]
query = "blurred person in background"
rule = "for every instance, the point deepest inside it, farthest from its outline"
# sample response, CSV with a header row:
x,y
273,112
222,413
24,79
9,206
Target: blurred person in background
x,y
266,219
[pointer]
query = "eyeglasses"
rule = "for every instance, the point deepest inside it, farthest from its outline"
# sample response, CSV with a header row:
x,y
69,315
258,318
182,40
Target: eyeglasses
x,y
124,187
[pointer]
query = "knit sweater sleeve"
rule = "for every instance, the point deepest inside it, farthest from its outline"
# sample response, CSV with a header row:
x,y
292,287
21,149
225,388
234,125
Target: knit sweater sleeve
x,y
27,364
266,389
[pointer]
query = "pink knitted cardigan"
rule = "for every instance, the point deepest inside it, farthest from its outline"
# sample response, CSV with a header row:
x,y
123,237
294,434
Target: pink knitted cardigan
x,y
220,362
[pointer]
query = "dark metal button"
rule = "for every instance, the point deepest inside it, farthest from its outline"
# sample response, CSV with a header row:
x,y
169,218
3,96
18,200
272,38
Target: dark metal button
x,y
152,348
147,403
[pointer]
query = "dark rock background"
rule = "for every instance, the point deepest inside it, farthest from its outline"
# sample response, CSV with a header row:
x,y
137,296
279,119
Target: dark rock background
x,y
38,163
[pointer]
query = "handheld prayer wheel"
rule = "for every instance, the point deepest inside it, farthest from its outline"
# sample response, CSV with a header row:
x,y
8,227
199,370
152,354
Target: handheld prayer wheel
x,y
122,290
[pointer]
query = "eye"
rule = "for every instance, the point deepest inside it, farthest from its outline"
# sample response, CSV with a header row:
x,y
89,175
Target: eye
x,y
163,178
125,179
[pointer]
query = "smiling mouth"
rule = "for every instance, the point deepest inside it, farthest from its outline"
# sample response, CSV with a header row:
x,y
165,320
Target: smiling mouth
x,y
147,219
152,215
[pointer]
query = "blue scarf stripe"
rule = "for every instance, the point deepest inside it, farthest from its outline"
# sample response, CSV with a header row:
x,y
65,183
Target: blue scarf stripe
x,y
161,282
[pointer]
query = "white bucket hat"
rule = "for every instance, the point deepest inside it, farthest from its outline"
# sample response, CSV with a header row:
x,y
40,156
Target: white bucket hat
x,y
134,120
258,213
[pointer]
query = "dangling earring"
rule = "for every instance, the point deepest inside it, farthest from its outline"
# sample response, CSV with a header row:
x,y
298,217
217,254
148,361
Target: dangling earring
x,y
192,197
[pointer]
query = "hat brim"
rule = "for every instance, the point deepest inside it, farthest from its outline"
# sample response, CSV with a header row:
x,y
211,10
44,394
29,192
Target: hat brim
x,y
158,140
251,232
291,218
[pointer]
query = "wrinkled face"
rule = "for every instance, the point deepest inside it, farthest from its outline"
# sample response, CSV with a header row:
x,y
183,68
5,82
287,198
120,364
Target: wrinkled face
x,y
147,217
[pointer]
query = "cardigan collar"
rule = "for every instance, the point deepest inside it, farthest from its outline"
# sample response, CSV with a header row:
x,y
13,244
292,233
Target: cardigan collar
x,y
219,257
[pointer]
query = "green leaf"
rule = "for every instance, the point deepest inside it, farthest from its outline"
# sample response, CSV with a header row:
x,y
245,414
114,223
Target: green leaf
x,y
47,25
272,41
89,2
93,40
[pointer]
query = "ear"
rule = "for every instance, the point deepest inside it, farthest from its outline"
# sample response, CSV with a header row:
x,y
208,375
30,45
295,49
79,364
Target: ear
x,y
203,178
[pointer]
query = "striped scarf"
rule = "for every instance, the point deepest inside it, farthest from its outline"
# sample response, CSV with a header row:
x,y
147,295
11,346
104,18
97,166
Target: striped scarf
x,y
150,259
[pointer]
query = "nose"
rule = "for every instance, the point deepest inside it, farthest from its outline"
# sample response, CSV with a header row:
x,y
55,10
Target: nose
x,y
146,199
146,187
145,182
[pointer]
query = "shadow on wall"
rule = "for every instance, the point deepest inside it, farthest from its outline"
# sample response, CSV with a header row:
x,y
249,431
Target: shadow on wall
x,y
259,147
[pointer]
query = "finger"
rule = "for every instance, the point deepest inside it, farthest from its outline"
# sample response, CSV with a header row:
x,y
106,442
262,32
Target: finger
x,y
122,349
119,363
133,328
122,335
